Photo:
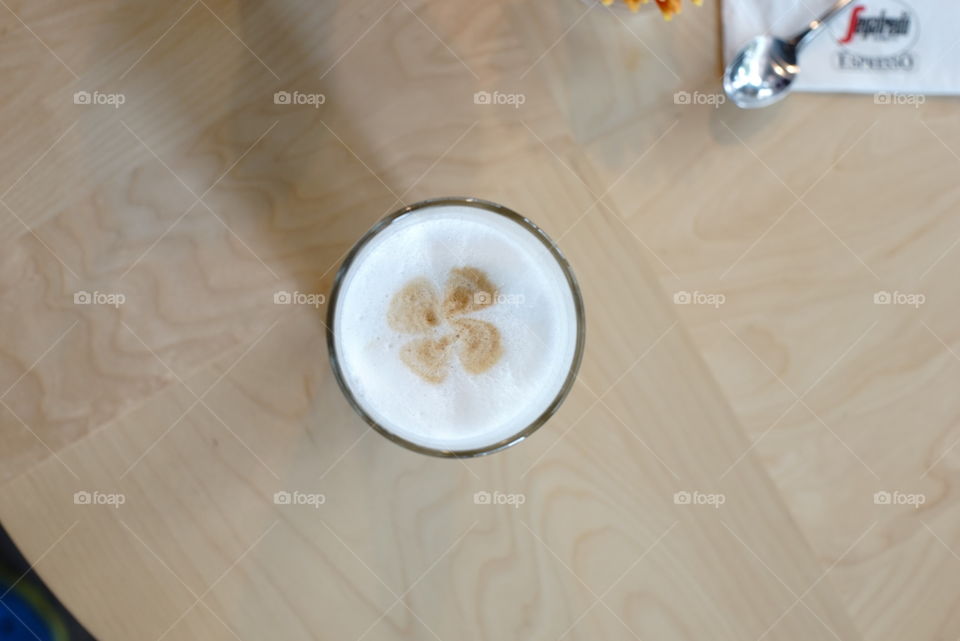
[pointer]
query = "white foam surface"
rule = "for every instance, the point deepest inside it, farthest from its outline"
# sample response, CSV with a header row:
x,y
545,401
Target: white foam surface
x,y
535,313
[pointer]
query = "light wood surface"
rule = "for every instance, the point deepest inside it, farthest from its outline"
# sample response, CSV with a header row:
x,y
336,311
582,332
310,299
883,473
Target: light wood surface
x,y
799,215
199,398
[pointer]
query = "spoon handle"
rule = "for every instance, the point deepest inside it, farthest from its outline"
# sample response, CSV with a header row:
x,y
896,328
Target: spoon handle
x,y
813,28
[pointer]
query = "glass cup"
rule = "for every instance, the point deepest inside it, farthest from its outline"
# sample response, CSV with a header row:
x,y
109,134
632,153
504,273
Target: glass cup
x,y
425,208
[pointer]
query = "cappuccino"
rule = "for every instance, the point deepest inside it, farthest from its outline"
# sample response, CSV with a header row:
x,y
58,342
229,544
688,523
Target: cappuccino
x,y
456,327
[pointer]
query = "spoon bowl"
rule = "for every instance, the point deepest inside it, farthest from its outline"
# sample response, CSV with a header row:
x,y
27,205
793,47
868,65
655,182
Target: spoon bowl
x,y
761,73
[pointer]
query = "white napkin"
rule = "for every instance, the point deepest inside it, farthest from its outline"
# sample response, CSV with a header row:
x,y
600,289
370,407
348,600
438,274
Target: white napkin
x,y
897,46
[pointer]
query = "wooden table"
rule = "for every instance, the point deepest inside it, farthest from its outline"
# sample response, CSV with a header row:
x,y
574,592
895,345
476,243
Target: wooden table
x,y
196,398
800,215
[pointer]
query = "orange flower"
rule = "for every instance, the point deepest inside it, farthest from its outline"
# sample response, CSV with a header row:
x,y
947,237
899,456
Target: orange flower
x,y
667,7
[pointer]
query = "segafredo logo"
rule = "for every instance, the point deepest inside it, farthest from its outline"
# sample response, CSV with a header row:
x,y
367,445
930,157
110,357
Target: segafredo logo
x,y
877,36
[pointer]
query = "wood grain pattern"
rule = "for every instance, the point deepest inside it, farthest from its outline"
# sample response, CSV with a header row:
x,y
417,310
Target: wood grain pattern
x,y
799,215
198,398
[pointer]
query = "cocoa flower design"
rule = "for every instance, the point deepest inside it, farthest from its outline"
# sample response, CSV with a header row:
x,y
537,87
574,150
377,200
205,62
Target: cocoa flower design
x,y
418,309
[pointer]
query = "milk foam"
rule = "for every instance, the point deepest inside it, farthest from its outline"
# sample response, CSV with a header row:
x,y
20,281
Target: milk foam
x,y
534,312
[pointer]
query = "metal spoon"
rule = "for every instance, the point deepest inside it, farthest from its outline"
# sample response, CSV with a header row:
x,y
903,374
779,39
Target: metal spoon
x,y
761,73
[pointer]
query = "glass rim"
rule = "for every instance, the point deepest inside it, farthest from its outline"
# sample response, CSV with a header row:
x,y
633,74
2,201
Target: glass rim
x,y
423,207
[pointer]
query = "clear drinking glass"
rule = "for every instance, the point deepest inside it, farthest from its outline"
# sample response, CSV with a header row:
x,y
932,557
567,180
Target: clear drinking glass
x,y
425,208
